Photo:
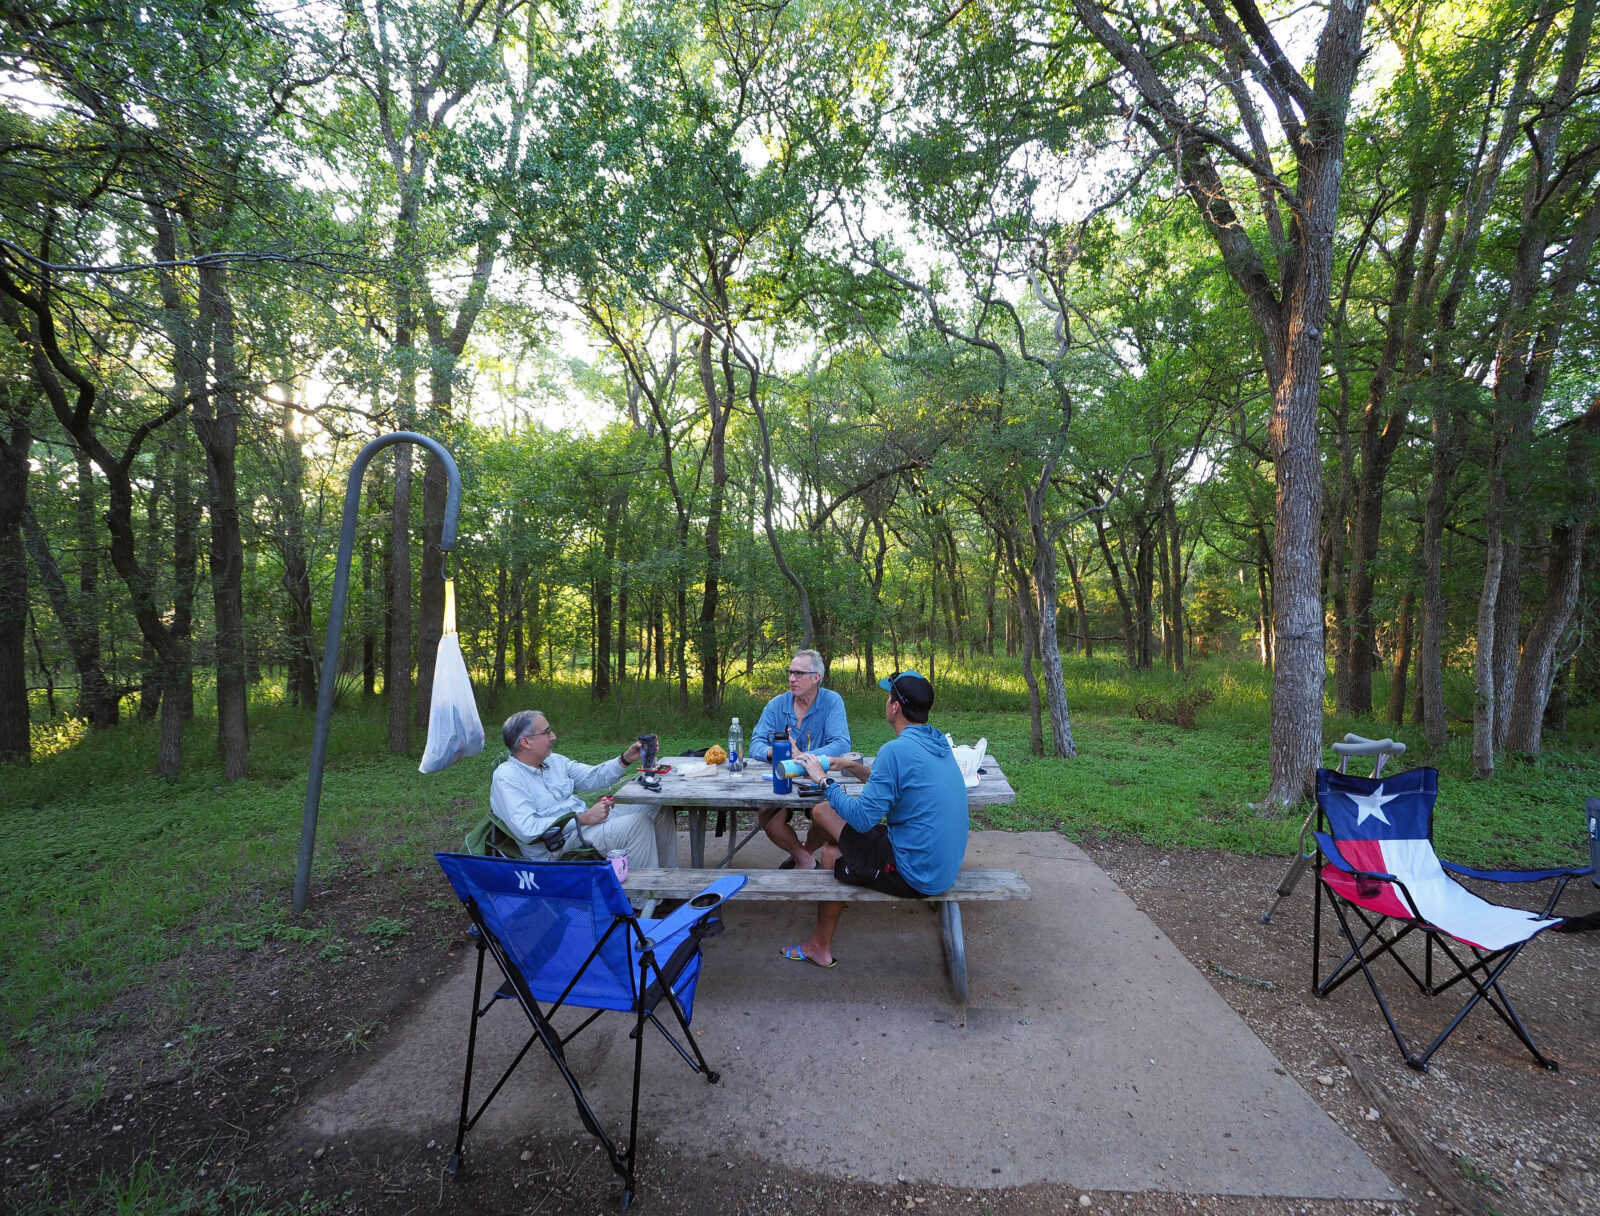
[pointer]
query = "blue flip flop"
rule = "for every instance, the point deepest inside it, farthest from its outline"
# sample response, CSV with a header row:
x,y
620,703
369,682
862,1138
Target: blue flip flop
x,y
796,955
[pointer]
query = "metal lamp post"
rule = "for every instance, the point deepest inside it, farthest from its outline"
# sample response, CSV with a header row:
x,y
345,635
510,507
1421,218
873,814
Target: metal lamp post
x,y
330,650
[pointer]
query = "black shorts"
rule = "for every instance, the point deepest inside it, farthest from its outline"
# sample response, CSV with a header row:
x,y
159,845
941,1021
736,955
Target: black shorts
x,y
866,859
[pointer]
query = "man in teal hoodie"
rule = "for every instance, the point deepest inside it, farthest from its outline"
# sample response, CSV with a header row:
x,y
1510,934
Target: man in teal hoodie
x,y
906,832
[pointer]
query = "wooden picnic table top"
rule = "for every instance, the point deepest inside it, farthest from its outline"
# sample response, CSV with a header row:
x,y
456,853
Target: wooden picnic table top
x,y
753,788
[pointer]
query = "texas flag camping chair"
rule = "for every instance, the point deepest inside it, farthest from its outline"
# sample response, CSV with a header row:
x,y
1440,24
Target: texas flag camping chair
x,y
563,933
1379,872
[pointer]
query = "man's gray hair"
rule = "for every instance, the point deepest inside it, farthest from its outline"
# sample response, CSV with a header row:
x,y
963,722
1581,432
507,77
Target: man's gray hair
x,y
812,657
518,725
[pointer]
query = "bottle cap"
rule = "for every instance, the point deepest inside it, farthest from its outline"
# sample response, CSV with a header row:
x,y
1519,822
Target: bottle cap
x,y
736,719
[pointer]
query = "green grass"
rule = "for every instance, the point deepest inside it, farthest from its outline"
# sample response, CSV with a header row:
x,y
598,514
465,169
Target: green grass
x,y
110,875
177,1188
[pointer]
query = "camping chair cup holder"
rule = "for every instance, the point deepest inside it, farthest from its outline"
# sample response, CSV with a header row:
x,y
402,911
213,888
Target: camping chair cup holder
x,y
563,934
1376,867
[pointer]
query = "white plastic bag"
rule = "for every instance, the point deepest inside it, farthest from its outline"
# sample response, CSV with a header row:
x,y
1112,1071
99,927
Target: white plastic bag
x,y
970,759
454,729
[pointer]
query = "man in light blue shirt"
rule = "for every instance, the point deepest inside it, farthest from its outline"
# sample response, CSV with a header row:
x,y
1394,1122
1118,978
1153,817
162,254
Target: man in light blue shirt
x,y
906,832
812,715
813,719
535,786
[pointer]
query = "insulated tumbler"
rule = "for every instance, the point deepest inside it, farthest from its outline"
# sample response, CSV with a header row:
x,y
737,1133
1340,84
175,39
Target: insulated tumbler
x,y
780,780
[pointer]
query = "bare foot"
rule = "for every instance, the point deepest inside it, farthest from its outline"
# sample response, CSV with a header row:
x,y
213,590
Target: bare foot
x,y
805,952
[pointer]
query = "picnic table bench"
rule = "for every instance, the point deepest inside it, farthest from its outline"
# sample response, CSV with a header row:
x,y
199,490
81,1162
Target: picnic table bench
x,y
970,884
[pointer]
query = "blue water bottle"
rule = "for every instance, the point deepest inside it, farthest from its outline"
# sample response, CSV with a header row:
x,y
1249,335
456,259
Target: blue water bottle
x,y
780,779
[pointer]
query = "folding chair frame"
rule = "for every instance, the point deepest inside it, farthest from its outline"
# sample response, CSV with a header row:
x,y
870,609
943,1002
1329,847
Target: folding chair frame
x,y
1490,965
654,985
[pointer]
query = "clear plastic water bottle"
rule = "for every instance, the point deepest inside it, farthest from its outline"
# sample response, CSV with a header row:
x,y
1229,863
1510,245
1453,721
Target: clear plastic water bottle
x,y
735,747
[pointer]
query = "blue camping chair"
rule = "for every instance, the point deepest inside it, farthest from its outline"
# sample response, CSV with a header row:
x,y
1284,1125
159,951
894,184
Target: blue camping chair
x,y
563,933
1384,882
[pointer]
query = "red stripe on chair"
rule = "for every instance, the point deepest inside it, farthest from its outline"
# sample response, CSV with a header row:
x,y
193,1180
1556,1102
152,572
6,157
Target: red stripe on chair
x,y
1380,897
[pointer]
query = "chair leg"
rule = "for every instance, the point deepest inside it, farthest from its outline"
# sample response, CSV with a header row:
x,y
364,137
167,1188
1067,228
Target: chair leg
x,y
454,1165
638,1069
1316,932
698,1063
1487,991
1360,960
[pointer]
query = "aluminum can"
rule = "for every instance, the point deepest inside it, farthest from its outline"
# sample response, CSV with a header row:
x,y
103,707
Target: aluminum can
x,y
619,863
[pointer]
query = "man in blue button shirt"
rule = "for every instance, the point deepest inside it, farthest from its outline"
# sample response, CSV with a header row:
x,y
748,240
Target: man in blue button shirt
x,y
813,719
906,832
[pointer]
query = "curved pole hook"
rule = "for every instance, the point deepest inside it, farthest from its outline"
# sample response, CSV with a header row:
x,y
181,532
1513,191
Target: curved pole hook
x,y
330,650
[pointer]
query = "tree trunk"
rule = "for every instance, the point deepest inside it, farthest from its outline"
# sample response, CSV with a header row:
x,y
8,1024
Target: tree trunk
x,y
1144,594
430,577
1528,339
1290,313
989,602
502,629
1379,440
216,421
877,598
1263,598
1085,641
1402,661
1299,664
177,665
15,442
720,404
1430,657
1029,631
601,687
1483,684
369,641
1536,672
1178,574
808,627
1129,635
97,701
1507,629
301,639
1049,644
1335,539
397,663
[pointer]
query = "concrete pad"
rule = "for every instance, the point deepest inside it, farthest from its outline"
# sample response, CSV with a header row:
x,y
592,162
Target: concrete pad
x,y
1090,1054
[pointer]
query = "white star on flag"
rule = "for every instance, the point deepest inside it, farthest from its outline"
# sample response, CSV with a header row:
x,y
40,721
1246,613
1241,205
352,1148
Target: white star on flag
x,y
1371,804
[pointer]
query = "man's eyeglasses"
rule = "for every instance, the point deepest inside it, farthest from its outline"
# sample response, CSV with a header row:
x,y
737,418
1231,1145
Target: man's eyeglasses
x,y
549,730
795,675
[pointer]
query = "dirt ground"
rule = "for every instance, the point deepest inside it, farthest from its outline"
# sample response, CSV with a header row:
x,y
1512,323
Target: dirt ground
x,y
1485,1130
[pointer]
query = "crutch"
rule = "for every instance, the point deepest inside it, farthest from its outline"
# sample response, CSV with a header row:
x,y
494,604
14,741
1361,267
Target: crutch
x,y
1354,745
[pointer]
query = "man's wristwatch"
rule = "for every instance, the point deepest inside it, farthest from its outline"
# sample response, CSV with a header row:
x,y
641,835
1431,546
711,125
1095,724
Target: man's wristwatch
x,y
827,781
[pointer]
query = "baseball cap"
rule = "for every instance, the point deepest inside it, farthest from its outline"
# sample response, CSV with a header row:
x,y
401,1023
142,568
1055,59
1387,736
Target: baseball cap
x,y
910,688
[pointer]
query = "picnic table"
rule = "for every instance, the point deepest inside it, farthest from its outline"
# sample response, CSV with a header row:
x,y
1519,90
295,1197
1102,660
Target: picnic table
x,y
729,793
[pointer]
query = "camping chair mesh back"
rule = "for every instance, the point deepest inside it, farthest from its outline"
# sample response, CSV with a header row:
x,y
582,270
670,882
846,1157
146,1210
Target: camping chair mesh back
x,y
490,838
1384,882
564,934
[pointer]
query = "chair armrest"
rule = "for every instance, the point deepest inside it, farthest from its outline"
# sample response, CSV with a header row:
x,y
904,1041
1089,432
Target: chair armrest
x,y
1331,852
1515,875
696,909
